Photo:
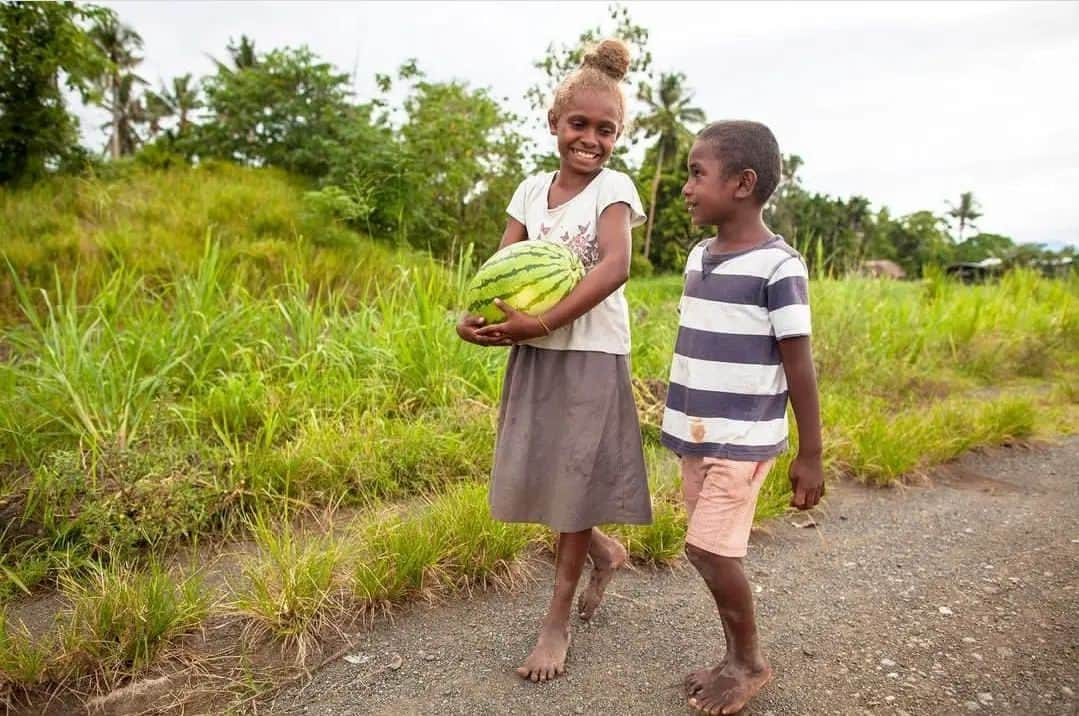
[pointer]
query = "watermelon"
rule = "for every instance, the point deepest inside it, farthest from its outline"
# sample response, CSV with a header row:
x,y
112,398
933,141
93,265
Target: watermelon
x,y
531,276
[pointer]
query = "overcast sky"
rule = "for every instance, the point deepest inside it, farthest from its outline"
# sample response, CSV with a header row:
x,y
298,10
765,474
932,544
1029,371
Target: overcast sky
x,y
908,104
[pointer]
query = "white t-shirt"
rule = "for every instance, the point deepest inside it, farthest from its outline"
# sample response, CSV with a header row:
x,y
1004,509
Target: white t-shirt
x,y
605,328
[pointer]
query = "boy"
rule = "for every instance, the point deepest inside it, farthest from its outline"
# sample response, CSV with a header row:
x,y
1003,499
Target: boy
x,y
742,347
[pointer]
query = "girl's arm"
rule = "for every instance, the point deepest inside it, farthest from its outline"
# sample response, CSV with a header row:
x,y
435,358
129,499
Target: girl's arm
x,y
611,272
515,231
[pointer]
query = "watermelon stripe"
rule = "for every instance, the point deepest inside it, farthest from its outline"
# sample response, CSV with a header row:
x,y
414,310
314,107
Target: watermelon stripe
x,y
511,287
557,274
541,249
514,272
558,286
539,272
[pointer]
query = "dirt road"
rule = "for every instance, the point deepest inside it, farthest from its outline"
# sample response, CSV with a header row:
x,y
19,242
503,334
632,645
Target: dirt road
x,y
955,598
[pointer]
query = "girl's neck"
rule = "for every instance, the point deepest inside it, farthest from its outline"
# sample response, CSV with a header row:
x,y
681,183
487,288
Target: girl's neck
x,y
570,180
567,185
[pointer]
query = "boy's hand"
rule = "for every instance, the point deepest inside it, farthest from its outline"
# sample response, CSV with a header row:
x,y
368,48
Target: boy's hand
x,y
517,327
807,481
468,329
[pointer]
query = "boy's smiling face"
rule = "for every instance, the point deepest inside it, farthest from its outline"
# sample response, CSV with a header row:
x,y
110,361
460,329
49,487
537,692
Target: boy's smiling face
x,y
586,129
712,197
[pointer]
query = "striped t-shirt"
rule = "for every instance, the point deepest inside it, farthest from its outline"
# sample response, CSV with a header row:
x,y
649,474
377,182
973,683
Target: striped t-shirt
x,y
727,395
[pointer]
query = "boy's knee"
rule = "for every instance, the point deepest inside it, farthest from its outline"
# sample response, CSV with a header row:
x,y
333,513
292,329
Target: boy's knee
x,y
702,559
699,557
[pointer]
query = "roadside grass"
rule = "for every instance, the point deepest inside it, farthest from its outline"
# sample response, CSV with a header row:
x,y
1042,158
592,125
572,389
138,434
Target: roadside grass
x,y
122,616
303,578
448,544
24,661
290,588
118,620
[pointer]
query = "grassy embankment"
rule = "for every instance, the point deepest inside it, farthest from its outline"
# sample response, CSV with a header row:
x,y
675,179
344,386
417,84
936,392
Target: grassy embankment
x,y
222,359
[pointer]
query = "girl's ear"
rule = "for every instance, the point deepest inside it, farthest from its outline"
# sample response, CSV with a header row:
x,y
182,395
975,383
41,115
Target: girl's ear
x,y
552,121
747,182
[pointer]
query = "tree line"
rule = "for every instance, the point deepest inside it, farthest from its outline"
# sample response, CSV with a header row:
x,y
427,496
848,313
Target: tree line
x,y
434,170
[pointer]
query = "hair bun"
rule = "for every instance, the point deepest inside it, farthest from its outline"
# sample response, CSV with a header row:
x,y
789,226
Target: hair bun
x,y
611,57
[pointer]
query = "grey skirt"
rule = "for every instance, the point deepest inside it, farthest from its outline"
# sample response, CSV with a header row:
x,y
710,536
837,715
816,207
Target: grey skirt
x,y
568,453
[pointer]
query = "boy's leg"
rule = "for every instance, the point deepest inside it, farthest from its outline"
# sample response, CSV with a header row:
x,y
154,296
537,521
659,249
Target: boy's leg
x,y
715,543
743,672
693,473
608,555
548,658
695,680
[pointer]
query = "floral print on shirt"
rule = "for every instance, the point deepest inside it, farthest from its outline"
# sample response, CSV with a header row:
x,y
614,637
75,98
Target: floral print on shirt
x,y
584,244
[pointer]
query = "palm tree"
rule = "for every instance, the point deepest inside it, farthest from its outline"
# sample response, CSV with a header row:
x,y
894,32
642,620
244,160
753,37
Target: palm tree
x,y
178,100
966,211
242,55
127,111
119,43
157,109
791,164
669,113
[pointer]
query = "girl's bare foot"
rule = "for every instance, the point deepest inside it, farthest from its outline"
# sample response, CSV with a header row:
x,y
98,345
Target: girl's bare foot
x,y
548,659
608,556
730,689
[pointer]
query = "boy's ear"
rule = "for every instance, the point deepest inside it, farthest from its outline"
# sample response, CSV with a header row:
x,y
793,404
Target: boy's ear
x,y
747,182
552,121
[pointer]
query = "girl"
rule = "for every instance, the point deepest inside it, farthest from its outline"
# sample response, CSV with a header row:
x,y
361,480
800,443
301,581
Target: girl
x,y
568,452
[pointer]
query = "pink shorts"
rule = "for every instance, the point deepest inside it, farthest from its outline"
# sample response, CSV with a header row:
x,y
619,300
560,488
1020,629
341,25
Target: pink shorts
x,y
721,497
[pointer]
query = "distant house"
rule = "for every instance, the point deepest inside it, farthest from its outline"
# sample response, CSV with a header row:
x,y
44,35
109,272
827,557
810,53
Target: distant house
x,y
1057,267
883,268
976,271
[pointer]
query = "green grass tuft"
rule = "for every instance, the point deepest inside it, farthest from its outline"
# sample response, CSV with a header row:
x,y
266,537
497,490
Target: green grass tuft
x,y
122,617
291,585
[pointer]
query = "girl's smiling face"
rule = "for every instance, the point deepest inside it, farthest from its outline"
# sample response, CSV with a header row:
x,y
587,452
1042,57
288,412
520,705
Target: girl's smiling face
x,y
587,130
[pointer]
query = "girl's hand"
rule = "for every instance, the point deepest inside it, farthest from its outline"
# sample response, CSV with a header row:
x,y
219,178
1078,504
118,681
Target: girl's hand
x,y
468,329
517,327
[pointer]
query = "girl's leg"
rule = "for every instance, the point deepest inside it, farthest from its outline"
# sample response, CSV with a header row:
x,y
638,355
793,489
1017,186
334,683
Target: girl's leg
x,y
607,555
548,658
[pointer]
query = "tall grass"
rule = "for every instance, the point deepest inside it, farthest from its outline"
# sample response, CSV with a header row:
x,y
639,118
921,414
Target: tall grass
x,y
155,224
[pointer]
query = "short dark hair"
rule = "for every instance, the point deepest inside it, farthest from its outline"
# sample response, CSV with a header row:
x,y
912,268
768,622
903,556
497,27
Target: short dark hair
x,y
740,144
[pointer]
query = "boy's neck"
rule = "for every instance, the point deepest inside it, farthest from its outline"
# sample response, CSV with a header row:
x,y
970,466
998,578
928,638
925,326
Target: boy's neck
x,y
740,233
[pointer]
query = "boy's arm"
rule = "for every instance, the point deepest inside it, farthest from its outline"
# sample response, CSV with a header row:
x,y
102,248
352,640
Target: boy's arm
x,y
807,472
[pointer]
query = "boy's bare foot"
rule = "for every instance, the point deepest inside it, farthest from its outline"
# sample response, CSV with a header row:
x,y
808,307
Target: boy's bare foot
x,y
548,659
608,556
730,689
695,680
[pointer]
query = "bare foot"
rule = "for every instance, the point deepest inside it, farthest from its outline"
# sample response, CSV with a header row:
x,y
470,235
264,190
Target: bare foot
x,y
695,680
548,659
607,558
730,689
